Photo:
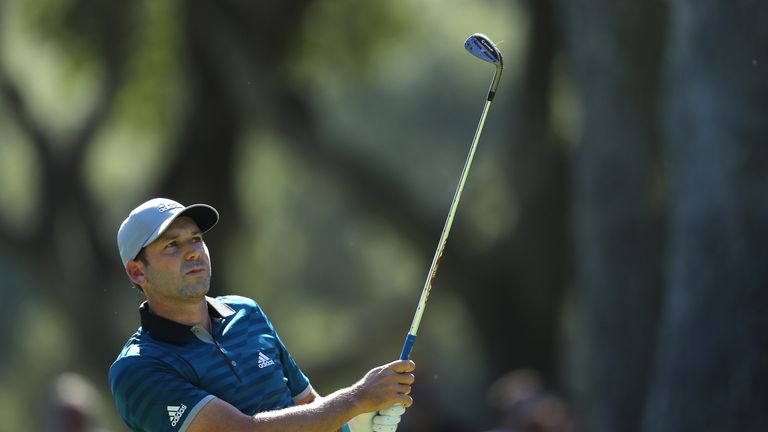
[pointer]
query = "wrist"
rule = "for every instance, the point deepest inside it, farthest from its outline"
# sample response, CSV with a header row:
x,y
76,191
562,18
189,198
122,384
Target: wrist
x,y
358,403
349,401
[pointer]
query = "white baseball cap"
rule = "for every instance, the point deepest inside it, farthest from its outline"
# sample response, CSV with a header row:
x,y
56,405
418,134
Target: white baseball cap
x,y
147,221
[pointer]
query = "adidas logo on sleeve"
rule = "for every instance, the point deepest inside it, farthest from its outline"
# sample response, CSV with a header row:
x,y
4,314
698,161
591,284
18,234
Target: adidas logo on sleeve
x,y
264,361
175,412
250,369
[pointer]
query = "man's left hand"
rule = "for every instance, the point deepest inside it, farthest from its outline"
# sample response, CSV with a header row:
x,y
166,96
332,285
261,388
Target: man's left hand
x,y
382,421
388,419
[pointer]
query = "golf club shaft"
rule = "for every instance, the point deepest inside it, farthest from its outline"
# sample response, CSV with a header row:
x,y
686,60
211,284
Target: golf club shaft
x,y
411,337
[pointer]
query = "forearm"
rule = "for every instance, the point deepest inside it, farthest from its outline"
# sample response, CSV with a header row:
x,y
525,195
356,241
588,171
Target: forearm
x,y
380,388
324,414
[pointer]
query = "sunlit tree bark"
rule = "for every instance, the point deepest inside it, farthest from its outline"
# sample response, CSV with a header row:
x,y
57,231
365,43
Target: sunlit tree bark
x,y
711,370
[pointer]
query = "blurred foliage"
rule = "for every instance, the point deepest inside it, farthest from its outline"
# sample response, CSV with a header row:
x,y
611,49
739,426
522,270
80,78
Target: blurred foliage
x,y
386,82
330,134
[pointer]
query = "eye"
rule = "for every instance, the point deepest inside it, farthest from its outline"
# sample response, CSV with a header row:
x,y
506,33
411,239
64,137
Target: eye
x,y
197,239
171,245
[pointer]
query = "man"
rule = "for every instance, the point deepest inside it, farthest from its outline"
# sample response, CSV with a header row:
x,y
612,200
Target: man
x,y
202,364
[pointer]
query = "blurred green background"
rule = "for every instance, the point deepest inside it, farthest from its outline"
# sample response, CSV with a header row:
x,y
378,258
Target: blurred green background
x,y
610,236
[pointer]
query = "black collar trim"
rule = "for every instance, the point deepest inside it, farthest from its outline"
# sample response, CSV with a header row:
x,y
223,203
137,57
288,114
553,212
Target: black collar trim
x,y
176,333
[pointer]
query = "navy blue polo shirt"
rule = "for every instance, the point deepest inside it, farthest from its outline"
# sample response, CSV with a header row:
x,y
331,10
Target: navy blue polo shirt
x,y
168,371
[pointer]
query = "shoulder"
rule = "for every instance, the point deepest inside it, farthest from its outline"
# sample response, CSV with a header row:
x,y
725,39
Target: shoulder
x,y
240,303
149,382
140,354
135,351
128,361
247,311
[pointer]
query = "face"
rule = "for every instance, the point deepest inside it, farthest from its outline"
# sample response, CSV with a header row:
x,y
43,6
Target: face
x,y
178,264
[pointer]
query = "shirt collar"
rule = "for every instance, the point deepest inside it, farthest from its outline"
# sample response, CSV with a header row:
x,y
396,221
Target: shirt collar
x,y
176,333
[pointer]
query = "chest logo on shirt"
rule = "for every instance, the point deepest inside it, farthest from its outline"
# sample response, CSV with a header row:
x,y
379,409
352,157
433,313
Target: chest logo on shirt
x,y
175,412
264,361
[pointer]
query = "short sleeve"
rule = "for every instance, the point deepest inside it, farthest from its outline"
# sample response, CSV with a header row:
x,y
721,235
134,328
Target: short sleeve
x,y
152,396
298,383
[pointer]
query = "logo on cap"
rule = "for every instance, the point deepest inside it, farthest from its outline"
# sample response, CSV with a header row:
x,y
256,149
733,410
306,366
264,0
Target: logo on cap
x,y
164,207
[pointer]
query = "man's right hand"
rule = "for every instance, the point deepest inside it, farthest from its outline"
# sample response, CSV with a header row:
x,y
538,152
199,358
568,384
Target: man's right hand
x,y
379,389
385,386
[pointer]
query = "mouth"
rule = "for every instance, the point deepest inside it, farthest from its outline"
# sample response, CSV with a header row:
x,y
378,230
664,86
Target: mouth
x,y
196,271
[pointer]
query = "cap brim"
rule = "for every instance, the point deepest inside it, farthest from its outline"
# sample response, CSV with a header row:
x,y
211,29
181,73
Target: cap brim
x,y
204,216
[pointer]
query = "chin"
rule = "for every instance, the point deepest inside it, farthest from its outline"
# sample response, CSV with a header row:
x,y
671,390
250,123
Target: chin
x,y
196,290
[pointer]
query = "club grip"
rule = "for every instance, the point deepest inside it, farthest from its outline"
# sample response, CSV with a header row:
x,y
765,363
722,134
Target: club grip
x,y
407,346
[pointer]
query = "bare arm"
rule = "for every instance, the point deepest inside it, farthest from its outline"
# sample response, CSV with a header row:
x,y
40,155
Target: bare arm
x,y
380,388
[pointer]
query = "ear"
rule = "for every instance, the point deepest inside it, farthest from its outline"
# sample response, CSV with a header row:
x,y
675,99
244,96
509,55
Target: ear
x,y
135,271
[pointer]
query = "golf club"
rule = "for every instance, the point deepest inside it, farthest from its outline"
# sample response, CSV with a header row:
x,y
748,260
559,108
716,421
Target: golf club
x,y
481,47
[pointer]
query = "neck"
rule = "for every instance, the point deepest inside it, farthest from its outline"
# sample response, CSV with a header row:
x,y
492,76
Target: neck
x,y
189,313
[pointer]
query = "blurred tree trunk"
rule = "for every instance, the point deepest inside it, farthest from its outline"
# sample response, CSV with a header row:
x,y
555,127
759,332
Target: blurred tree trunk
x,y
216,32
712,372
63,241
613,50
202,169
523,277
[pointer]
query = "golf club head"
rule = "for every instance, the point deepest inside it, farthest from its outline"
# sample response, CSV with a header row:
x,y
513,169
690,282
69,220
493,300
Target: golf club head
x,y
480,46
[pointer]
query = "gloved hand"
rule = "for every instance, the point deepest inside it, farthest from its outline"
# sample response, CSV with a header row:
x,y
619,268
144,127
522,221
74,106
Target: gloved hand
x,y
362,423
383,421
387,420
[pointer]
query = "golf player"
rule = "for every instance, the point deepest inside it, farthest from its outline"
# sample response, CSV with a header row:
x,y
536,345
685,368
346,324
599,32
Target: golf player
x,y
203,364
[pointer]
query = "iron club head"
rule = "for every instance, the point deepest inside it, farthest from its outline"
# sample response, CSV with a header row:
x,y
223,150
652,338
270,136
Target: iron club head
x,y
480,46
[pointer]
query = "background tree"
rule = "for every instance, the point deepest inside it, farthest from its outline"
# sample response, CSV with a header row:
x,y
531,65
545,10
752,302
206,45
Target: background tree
x,y
614,56
710,371
609,235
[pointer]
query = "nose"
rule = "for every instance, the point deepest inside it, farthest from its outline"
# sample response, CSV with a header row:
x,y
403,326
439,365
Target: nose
x,y
194,251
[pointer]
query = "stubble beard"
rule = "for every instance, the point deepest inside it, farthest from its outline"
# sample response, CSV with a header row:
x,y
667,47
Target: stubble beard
x,y
196,289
